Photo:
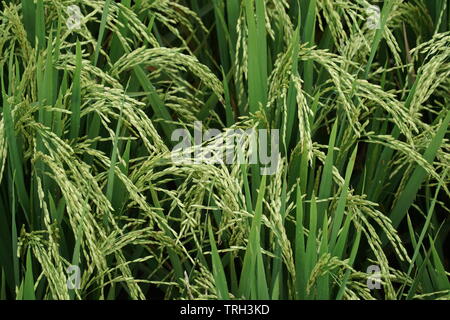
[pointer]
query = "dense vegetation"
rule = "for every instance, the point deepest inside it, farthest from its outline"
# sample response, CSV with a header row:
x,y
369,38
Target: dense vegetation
x,y
87,177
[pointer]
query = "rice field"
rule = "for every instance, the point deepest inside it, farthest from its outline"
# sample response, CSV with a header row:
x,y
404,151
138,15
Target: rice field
x,y
224,149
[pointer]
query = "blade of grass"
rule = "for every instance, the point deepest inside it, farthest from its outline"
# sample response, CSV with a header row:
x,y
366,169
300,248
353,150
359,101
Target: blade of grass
x,y
75,101
249,278
218,272
408,195
28,287
339,214
101,32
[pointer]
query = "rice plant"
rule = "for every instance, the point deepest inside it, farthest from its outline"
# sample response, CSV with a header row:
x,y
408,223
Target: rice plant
x,y
94,206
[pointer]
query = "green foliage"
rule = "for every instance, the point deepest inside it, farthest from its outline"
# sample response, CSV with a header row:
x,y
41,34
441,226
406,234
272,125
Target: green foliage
x,y
87,176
